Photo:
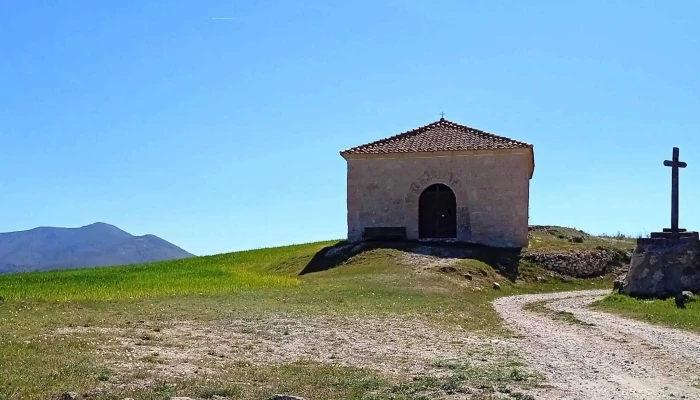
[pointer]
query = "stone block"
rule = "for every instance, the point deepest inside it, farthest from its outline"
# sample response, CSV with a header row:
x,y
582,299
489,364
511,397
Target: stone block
x,y
662,267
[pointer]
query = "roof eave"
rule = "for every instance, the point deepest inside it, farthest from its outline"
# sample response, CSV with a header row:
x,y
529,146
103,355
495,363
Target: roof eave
x,y
351,154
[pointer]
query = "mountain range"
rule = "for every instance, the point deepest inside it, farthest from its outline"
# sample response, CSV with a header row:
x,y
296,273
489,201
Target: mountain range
x,y
94,245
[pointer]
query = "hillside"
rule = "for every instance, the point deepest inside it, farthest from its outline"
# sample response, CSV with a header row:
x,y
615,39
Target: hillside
x,y
98,244
376,322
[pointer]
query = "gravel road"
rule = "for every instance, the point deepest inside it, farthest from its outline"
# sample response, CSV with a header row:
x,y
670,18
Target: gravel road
x,y
617,358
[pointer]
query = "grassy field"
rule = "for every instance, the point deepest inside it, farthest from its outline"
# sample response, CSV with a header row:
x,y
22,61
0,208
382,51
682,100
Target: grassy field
x,y
85,329
663,312
204,275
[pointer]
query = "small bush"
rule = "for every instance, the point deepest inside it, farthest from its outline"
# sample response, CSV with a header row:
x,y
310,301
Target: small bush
x,y
103,374
576,239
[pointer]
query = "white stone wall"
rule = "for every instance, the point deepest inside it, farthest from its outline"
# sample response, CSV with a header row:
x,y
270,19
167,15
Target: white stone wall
x,y
491,188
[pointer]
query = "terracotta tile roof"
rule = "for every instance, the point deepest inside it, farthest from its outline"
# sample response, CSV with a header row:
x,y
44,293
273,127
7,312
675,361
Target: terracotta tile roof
x,y
442,135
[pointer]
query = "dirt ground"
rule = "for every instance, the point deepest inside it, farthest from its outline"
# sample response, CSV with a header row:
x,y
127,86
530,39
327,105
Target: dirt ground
x,y
596,355
592,355
395,347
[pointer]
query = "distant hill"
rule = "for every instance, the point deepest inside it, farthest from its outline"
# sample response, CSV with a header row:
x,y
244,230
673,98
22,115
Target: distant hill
x,y
98,244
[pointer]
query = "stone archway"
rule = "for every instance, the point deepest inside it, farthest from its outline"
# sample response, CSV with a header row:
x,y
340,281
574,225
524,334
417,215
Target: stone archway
x,y
437,213
416,188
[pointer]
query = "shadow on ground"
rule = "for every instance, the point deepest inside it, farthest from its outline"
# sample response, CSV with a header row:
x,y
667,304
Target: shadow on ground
x,y
503,260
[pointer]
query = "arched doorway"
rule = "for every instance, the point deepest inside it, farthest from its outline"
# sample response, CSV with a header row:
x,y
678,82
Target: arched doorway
x,y
437,216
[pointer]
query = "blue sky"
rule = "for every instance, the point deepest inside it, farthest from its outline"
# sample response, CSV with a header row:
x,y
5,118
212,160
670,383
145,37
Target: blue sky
x,y
221,135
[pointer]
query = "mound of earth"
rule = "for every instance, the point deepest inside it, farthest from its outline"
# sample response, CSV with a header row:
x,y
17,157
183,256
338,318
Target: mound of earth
x,y
559,250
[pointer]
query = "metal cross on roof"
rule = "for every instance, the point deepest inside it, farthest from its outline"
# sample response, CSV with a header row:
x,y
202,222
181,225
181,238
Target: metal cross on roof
x,y
442,115
675,164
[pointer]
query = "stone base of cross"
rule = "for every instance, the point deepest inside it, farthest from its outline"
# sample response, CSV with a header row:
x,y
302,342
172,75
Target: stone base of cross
x,y
668,234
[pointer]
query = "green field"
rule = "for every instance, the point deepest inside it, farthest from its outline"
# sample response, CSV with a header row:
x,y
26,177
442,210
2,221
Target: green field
x,y
109,328
203,275
663,312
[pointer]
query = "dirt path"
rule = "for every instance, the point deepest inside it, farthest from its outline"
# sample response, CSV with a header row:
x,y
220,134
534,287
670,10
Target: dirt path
x,y
616,358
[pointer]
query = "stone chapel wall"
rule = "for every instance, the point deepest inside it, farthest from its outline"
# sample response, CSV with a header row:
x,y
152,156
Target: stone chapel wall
x,y
491,188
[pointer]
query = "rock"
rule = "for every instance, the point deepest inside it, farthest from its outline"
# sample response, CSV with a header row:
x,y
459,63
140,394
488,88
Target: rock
x,y
181,398
496,285
681,299
541,279
64,396
95,393
689,296
578,263
523,396
448,269
286,397
684,298
663,268
619,283
617,286
468,277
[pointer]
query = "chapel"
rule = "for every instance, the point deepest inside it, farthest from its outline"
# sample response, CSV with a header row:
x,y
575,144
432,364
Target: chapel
x,y
442,181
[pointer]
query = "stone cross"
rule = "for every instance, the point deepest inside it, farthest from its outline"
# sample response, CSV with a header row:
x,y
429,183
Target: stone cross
x,y
675,165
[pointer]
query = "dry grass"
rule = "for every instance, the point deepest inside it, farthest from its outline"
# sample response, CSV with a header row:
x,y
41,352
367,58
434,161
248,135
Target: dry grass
x,y
375,326
558,238
565,316
398,348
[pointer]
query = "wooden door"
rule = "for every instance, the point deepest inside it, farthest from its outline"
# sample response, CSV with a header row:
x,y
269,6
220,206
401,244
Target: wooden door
x,y
437,217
